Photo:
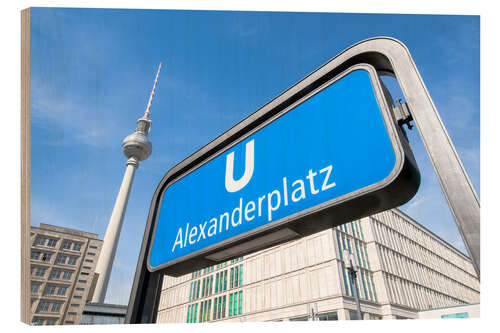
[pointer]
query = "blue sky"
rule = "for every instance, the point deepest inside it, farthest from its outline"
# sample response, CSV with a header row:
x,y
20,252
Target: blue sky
x,y
92,71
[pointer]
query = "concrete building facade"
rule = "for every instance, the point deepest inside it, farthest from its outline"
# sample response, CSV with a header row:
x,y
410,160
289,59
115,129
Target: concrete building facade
x,y
62,263
404,269
103,314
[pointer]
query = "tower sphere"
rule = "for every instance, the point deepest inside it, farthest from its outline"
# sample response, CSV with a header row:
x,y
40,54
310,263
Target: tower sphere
x,y
137,144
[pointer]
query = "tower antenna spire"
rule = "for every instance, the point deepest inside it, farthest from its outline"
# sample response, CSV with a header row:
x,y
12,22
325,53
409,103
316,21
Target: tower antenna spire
x,y
146,114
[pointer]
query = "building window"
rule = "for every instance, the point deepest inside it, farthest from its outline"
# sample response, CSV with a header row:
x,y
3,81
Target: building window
x,y
40,271
70,322
361,229
34,287
367,278
43,306
71,313
373,287
230,305
46,256
366,256
82,281
236,277
56,307
87,267
77,296
328,316
214,316
61,291
35,255
80,289
66,245
240,302
55,274
364,284
299,319
93,247
37,322
219,308
50,321
217,283
201,312
50,290
224,285
61,259
224,306
85,273
91,253
195,283
77,246
339,245
89,260
72,260
40,240
205,310
67,275
74,305
192,313
235,301
52,242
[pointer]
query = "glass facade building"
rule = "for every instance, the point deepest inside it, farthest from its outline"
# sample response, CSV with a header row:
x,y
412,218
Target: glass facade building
x,y
403,268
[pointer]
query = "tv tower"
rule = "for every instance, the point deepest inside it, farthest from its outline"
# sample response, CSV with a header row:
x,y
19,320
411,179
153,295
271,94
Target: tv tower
x,y
136,148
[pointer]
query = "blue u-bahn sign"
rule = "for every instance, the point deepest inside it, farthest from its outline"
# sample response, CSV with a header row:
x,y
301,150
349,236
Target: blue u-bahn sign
x,y
313,158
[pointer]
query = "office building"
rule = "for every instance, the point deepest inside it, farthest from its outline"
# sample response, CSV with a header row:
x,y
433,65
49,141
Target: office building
x,y
404,269
103,314
62,268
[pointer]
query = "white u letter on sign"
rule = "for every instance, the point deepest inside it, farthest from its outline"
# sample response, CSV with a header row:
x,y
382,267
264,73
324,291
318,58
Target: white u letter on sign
x,y
236,185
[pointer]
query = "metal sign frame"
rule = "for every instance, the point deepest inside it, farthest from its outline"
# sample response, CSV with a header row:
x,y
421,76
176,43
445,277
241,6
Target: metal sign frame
x,y
389,57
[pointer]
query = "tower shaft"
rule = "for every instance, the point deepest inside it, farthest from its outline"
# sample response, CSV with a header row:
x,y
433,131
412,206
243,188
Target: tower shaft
x,y
108,251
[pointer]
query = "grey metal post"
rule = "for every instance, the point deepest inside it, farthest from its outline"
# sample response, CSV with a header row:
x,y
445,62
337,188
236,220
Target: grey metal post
x,y
354,286
312,311
352,267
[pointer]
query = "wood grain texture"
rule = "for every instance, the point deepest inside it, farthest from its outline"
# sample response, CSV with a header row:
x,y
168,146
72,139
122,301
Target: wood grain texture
x,y
25,165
